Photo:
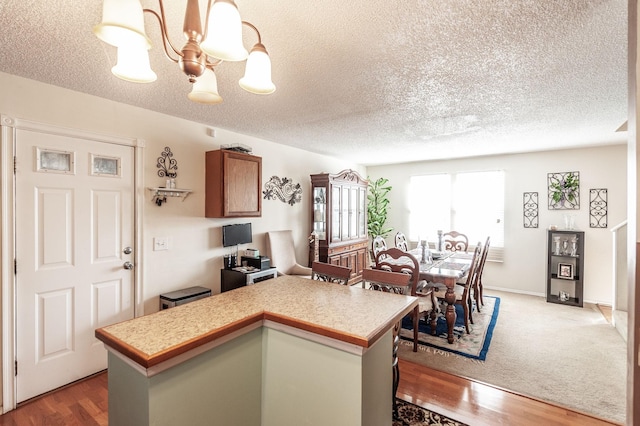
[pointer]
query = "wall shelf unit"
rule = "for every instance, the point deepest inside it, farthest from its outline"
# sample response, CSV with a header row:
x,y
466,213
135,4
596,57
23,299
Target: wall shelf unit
x,y
159,195
565,267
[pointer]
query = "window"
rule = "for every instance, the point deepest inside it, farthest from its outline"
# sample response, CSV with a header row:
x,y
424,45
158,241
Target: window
x,y
470,202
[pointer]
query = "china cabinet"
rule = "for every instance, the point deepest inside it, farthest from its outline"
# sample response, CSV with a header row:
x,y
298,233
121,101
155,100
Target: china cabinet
x,y
565,267
339,219
233,182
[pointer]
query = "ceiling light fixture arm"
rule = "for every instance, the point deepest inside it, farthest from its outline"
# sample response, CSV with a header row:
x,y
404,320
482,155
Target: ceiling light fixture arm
x,y
250,25
165,38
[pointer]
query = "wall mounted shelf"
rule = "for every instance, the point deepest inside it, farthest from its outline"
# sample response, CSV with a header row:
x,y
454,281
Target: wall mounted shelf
x,y
159,195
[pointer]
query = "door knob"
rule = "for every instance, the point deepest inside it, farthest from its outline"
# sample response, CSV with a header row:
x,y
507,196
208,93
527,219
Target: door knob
x,y
127,250
127,265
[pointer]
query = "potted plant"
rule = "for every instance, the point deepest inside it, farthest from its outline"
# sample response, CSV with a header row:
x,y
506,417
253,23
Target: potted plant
x,y
377,208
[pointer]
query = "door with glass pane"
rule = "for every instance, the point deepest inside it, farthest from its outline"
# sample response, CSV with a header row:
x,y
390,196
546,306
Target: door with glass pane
x,y
74,233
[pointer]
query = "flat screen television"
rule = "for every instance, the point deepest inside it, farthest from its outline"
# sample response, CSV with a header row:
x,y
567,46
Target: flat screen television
x,y
232,235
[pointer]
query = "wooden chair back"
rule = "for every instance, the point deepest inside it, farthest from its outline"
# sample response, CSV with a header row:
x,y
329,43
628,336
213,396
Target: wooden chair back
x,y
477,286
330,273
455,241
396,260
387,281
378,245
401,242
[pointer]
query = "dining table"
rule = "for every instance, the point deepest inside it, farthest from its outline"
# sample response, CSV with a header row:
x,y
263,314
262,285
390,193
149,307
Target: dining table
x,y
446,267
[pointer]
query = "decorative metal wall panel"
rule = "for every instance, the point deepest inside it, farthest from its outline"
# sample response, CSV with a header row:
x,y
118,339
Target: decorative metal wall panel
x,y
564,190
598,201
530,209
283,189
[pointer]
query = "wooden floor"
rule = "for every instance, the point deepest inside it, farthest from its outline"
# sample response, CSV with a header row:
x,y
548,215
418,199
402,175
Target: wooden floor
x,y
85,403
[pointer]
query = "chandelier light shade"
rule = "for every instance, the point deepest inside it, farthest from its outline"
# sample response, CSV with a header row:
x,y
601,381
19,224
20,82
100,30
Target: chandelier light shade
x,y
257,73
205,89
123,27
122,23
133,64
224,32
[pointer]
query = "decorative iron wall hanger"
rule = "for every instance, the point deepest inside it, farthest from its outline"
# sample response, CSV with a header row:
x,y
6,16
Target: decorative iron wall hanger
x,y
530,209
598,207
167,164
283,189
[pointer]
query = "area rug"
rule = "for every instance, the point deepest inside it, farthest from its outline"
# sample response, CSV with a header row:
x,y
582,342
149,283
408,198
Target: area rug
x,y
412,415
474,345
565,355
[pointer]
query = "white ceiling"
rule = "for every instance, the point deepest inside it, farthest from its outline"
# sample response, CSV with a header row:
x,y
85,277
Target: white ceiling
x,y
373,81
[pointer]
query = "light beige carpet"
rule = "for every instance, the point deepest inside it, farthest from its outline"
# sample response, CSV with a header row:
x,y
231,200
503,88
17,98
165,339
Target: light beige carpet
x,y
566,355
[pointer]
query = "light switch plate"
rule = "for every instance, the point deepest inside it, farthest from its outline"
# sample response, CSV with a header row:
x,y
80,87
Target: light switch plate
x,y
160,243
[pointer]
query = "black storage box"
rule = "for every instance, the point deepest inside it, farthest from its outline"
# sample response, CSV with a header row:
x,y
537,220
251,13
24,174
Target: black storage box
x,y
260,262
180,297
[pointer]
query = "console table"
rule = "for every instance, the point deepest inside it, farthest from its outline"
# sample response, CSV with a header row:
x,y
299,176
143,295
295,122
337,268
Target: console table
x,y
284,351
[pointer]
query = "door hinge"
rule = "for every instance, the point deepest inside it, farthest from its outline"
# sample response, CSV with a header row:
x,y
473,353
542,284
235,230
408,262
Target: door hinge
x,y
16,367
15,266
15,164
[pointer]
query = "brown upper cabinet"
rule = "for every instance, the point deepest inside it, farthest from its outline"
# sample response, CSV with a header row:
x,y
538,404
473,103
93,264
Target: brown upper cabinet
x,y
233,183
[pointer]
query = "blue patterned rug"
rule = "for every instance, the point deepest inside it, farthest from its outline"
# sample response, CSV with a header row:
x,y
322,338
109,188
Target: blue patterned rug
x,y
474,345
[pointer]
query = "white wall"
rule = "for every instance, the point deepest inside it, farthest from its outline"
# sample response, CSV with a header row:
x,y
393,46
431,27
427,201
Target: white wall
x,y
195,255
523,269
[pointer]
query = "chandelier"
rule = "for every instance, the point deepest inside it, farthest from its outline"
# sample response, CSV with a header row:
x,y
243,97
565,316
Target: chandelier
x,y
123,27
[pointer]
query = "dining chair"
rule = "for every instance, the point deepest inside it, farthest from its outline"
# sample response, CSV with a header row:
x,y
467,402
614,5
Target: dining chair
x,y
401,241
463,293
282,253
477,287
455,241
330,273
378,245
396,260
397,283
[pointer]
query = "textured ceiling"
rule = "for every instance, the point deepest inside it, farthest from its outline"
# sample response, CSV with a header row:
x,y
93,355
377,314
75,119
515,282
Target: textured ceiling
x,y
374,81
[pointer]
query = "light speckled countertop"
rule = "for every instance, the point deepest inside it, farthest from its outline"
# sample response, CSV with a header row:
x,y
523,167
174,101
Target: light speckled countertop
x,y
349,314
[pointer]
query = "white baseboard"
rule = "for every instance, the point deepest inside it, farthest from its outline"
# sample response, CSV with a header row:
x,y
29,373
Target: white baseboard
x,y
510,290
533,293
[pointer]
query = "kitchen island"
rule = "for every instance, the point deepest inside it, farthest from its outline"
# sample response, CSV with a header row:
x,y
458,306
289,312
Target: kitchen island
x,y
286,351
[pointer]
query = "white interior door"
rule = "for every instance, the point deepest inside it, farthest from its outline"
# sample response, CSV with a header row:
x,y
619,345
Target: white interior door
x,y
74,221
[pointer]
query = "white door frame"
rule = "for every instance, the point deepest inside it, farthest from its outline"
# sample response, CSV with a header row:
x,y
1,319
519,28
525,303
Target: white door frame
x,y
8,126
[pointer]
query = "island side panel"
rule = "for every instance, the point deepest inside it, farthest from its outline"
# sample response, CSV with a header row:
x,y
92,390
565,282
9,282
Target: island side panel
x,y
309,383
221,386
377,382
128,392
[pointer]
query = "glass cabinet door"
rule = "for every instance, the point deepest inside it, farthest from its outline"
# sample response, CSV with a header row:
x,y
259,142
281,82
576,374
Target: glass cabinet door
x,y
320,212
344,213
336,211
362,211
353,212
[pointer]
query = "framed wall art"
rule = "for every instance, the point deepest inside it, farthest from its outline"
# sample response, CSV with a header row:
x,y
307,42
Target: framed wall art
x,y
565,271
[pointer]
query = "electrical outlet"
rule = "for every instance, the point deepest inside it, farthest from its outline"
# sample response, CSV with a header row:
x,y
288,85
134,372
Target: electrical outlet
x,y
160,243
